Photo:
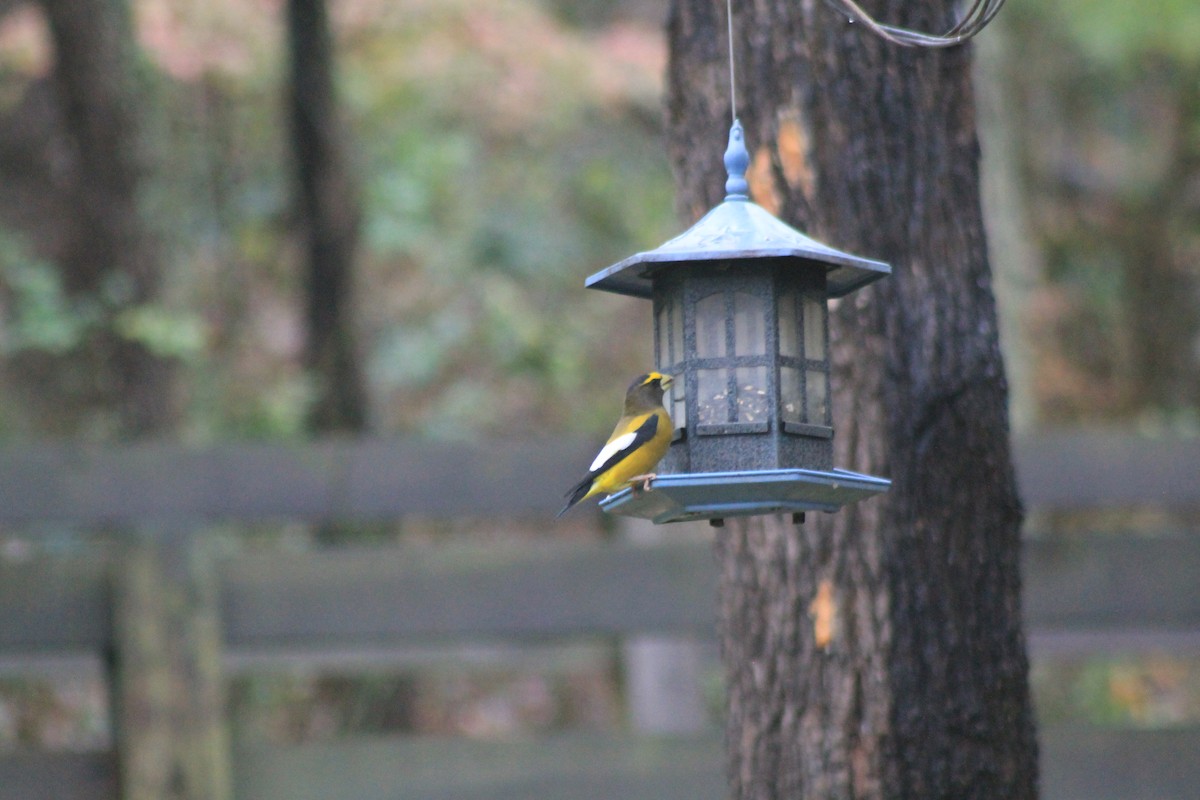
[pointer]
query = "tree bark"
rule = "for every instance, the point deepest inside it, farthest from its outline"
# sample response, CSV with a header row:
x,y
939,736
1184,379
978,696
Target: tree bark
x,y
878,652
330,215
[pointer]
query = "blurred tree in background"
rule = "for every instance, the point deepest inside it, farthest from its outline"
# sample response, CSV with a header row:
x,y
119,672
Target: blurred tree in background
x,y
85,333
330,211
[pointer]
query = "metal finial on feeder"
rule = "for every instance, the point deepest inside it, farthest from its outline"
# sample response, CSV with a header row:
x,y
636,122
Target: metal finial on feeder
x,y
737,161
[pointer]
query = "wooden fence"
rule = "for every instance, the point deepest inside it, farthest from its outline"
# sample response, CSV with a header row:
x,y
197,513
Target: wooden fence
x,y
1084,595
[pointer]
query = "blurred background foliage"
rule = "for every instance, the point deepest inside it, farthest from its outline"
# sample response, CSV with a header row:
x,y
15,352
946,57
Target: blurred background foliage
x,y
1108,98
508,149
505,156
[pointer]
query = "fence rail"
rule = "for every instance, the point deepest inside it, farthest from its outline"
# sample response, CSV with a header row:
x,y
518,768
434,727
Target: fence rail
x,y
1114,593
1077,764
342,480
1085,595
364,479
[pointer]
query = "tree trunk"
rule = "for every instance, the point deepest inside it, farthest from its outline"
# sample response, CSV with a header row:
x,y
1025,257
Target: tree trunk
x,y
116,255
167,686
330,215
877,652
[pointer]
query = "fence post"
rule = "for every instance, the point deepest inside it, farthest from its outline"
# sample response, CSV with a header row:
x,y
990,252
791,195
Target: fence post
x,y
663,673
168,692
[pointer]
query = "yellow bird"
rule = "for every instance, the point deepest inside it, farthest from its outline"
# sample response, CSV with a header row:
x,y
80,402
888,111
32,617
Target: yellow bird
x,y
636,446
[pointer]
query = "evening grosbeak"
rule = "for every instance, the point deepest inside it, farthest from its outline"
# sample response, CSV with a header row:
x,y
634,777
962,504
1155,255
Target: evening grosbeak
x,y
636,446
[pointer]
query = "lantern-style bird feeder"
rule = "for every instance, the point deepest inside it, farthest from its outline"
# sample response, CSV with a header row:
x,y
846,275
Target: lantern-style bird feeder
x,y
741,322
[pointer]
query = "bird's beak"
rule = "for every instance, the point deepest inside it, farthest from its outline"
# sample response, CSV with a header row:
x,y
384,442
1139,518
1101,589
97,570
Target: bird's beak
x,y
666,381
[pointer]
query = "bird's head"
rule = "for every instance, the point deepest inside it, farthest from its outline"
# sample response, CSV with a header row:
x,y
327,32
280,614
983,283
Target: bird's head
x,y
646,391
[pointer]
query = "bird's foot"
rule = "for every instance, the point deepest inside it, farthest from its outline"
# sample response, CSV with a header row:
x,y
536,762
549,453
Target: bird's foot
x,y
643,481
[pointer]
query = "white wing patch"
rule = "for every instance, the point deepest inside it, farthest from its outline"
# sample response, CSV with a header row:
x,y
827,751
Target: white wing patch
x,y
612,448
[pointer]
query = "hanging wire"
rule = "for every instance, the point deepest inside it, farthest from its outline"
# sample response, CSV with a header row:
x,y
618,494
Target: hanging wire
x,y
976,18
732,82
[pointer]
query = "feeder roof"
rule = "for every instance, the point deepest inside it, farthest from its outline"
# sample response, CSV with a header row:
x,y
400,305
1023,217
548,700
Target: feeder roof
x,y
738,230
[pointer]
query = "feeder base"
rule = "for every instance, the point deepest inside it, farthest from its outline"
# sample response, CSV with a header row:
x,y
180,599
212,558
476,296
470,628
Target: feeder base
x,y
718,495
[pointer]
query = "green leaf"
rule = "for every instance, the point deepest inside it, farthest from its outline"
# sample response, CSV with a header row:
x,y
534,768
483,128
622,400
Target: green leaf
x,y
166,333
39,315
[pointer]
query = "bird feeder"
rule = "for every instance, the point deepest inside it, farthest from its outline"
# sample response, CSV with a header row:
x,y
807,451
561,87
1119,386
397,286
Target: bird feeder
x,y
741,322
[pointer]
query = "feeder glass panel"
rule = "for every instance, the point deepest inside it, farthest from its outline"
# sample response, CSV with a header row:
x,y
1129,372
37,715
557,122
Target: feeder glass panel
x,y
665,357
752,400
676,403
789,326
710,326
818,397
676,333
749,326
791,393
814,328
669,331
712,404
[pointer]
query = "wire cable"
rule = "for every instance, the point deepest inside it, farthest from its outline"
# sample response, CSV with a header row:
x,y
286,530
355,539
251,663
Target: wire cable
x,y
976,18
732,82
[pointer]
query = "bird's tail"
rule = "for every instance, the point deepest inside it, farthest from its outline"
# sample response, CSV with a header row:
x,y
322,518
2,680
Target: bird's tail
x,y
575,494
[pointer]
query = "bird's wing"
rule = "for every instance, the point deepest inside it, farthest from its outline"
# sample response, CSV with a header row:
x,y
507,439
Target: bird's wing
x,y
622,444
626,439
